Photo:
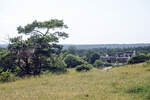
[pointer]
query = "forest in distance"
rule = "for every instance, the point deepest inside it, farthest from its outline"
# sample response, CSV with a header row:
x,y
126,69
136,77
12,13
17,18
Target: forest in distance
x,y
91,46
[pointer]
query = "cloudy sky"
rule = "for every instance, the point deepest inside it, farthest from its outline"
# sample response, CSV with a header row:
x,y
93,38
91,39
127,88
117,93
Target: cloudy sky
x,y
89,21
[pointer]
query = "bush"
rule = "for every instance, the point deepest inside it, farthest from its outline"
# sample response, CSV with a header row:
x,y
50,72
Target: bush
x,y
148,62
138,59
107,64
7,76
84,67
73,61
55,69
58,66
98,64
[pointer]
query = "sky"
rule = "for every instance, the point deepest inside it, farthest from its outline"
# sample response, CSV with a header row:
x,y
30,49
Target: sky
x,y
89,21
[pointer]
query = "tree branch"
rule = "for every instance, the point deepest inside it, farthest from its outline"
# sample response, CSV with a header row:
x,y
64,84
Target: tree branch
x,y
39,32
47,31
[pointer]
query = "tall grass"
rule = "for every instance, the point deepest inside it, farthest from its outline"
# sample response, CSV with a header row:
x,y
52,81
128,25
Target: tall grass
x,y
140,90
120,83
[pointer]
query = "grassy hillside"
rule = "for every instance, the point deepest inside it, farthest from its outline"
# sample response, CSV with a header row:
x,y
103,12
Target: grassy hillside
x,y
114,84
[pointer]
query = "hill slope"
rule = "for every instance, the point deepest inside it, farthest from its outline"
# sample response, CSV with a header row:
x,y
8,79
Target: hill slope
x,y
93,85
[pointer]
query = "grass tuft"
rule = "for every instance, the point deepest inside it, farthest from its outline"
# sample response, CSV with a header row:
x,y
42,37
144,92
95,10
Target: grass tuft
x,y
142,91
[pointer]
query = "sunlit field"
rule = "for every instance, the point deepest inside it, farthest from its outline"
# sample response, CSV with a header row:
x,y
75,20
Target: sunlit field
x,y
114,84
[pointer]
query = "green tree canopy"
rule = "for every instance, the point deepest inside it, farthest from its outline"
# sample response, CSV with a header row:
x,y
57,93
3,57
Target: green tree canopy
x,y
36,26
34,54
73,61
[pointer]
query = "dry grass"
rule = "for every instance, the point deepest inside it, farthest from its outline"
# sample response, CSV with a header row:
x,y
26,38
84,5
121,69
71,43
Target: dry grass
x,y
93,85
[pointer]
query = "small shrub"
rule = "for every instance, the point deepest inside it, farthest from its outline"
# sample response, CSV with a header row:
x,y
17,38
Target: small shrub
x,y
58,67
84,67
7,76
101,64
107,64
98,64
148,62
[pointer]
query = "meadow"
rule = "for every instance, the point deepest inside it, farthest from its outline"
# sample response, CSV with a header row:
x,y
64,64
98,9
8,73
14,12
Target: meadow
x,y
130,82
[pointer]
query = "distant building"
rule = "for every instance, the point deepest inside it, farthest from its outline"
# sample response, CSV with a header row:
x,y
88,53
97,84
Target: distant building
x,y
121,57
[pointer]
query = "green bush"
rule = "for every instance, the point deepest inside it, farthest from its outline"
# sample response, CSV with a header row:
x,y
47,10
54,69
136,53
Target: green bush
x,y
98,64
107,64
84,67
148,62
101,64
73,61
58,66
7,76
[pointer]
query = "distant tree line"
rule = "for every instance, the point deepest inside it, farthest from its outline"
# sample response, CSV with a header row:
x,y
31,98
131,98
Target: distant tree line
x,y
91,55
